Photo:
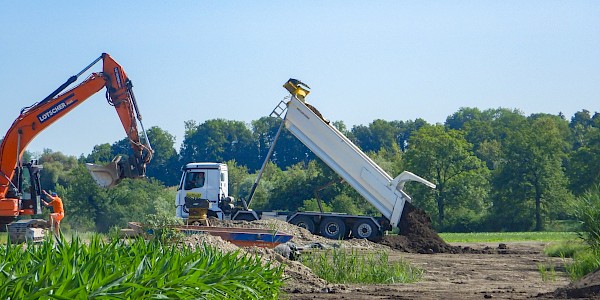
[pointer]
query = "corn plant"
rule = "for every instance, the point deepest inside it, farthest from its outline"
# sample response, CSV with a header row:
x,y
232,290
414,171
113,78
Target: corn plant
x,y
135,269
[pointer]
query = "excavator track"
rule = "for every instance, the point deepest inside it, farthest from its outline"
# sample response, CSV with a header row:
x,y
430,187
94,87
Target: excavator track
x,y
4,221
27,230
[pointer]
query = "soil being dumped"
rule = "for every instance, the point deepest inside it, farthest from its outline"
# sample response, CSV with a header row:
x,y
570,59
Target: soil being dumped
x,y
418,236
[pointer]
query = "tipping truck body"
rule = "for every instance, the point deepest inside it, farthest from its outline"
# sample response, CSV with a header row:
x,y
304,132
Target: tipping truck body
x,y
382,191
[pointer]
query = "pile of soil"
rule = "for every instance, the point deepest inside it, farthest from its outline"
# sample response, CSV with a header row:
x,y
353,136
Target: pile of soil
x,y
587,287
298,278
301,237
418,236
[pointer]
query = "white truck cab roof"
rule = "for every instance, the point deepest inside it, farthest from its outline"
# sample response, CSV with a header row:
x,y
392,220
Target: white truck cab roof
x,y
204,165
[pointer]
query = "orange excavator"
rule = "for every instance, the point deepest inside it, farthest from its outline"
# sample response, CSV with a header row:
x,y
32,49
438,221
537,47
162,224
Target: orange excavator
x,y
18,197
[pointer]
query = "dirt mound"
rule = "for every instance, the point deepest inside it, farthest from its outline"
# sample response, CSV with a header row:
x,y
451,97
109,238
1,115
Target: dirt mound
x,y
587,287
418,236
301,237
197,240
298,278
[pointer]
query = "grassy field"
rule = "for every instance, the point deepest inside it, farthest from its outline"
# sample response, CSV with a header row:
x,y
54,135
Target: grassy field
x,y
490,237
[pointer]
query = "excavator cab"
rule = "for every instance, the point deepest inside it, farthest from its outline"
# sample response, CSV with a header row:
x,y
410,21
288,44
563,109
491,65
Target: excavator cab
x,y
27,191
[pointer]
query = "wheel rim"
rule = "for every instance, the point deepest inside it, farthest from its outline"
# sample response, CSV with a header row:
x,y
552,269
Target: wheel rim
x,y
364,230
303,225
332,229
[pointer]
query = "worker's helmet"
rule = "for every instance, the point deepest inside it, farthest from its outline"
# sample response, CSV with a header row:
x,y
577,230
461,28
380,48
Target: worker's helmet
x,y
53,194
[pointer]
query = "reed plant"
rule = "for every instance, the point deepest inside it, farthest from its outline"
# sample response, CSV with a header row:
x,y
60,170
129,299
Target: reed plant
x,y
342,266
584,262
565,249
547,272
134,269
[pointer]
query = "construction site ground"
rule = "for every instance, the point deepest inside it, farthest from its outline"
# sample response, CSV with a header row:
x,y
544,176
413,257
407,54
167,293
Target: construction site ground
x,y
510,274
451,271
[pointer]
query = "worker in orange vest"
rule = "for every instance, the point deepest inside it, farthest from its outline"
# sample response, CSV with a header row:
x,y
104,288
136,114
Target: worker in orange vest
x,y
59,211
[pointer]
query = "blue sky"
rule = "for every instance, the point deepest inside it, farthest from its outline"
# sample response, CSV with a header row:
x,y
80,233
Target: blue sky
x,y
364,60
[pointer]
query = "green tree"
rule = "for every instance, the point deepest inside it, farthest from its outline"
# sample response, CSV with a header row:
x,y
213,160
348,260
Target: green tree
x,y
444,157
91,208
381,134
389,160
288,149
464,115
296,184
237,175
583,169
100,154
486,130
56,168
85,202
220,140
530,183
164,165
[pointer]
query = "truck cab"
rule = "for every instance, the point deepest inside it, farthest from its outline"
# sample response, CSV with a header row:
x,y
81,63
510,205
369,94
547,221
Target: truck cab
x,y
208,179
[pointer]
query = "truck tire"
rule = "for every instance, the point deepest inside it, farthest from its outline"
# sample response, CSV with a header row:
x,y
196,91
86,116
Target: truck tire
x,y
365,229
333,228
248,218
305,222
245,216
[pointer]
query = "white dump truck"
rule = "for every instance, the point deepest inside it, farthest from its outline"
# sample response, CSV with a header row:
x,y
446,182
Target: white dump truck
x,y
382,191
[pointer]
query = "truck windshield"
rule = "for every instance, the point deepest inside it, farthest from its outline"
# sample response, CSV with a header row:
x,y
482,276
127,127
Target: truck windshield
x,y
194,180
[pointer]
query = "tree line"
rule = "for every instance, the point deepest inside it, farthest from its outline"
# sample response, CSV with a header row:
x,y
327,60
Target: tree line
x,y
495,169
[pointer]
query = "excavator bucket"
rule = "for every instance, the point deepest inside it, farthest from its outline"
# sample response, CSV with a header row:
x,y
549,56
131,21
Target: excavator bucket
x,y
105,176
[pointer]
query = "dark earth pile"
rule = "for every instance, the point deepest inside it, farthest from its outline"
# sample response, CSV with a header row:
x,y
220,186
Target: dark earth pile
x,y
418,236
587,287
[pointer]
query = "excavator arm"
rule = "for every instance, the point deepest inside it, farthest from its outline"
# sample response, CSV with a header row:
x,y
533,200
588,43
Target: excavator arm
x,y
120,95
39,116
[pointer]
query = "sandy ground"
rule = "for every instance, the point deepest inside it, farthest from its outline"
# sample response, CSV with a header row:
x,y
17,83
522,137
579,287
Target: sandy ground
x,y
510,274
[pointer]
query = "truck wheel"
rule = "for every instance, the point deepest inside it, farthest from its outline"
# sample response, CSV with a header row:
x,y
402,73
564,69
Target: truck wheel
x,y
365,229
245,217
304,222
333,228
